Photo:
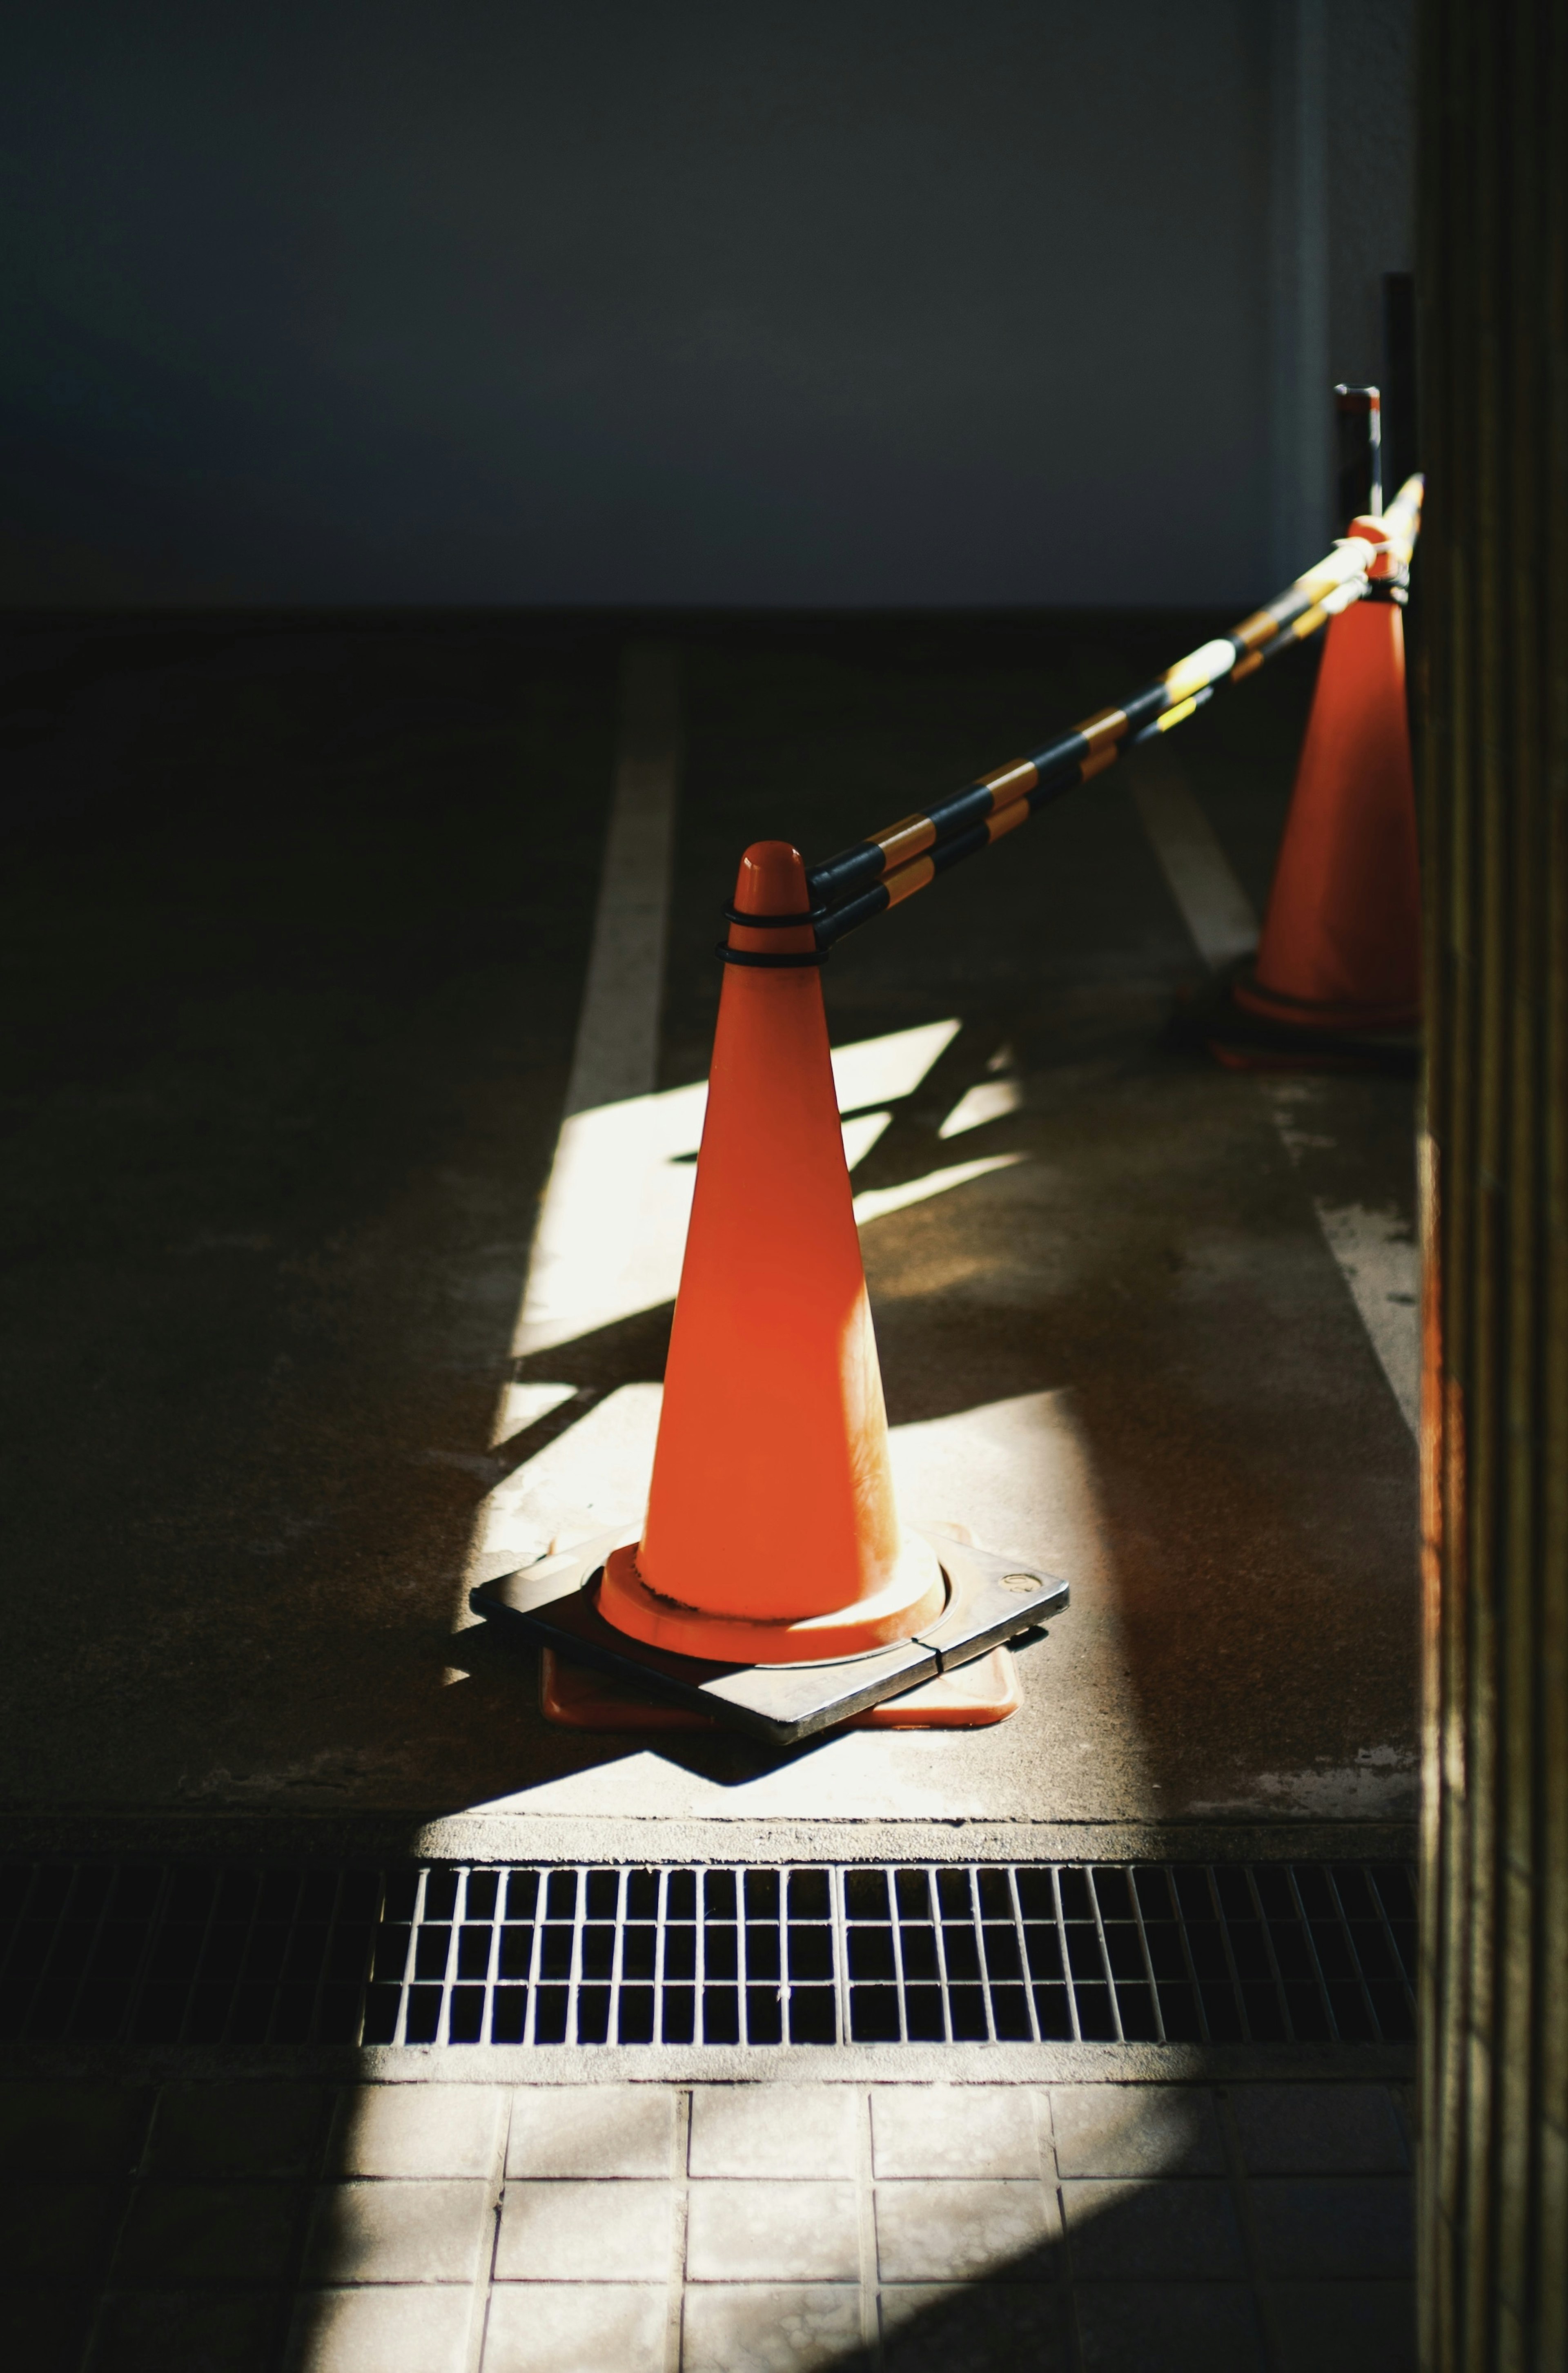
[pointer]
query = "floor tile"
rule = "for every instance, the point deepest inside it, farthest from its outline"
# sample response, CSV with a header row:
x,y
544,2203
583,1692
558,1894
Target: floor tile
x,y
1183,2230
1108,2130
416,2129
592,2130
55,2232
159,2332
957,2130
576,2328
1328,2228
965,2232
586,2233
1352,2326
236,2130
774,2130
1168,2328
773,2232
175,2234
398,2232
1319,2130
71,2130
401,2329
771,2327
974,2328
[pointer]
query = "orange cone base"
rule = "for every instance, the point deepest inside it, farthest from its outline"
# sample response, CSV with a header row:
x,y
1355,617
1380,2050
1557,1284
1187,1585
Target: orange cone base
x,y
571,1697
1245,1034
1296,1013
989,1598
915,1596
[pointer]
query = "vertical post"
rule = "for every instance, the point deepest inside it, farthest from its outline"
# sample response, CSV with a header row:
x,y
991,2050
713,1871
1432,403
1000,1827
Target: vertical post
x,y
1492,287
1358,418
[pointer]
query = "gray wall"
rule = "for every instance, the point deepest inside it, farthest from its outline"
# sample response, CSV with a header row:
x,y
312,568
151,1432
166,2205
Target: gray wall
x,y
838,301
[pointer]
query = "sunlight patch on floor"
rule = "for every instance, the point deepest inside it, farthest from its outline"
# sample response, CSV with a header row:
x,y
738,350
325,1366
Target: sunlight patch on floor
x,y
612,1227
987,1100
877,1202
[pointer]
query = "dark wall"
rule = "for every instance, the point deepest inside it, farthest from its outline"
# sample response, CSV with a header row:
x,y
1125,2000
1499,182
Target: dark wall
x,y
833,301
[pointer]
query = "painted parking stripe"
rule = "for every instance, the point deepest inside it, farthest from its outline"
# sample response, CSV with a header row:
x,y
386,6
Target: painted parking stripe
x,y
1214,907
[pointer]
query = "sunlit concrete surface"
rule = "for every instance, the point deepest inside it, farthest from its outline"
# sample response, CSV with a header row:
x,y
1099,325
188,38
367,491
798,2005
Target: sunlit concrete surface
x,y
300,1335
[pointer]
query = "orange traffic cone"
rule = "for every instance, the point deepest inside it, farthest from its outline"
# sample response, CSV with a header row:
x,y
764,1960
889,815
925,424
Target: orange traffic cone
x,y
773,1588
771,1535
1337,968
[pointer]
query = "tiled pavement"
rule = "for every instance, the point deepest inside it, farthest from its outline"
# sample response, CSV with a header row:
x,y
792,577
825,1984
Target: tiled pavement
x,y
430,2227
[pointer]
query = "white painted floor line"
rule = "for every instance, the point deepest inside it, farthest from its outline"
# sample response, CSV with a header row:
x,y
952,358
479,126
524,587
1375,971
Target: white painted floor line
x,y
1376,1257
1214,907
617,1049
615,1129
1382,1267
590,1262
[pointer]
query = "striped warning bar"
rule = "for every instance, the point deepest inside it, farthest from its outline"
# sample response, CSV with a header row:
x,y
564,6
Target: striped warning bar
x,y
889,867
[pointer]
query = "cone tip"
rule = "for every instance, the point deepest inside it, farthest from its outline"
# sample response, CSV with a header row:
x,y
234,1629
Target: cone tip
x,y
771,879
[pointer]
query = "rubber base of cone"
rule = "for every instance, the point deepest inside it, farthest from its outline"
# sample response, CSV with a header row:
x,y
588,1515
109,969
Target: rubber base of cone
x,y
1241,1037
915,1596
991,1598
1271,1005
571,1697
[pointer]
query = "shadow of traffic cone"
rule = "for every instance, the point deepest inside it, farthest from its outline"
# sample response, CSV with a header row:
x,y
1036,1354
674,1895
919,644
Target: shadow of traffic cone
x,y
773,1589
1336,982
771,1535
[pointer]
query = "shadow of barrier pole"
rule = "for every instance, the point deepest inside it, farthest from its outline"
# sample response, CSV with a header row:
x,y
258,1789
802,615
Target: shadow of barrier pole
x,y
773,1589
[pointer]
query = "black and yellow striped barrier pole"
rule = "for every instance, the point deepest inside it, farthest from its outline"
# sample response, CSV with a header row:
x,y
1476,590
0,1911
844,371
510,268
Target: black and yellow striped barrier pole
x,y
849,889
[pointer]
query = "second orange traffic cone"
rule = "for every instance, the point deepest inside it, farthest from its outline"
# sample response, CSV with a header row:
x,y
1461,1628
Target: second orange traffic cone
x,y
771,1535
1339,956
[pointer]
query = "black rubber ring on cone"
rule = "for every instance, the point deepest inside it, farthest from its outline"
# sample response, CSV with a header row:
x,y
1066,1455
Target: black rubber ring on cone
x,y
771,922
759,960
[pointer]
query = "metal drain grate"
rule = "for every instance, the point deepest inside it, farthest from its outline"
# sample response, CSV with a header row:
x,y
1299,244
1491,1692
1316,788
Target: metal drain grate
x,y
183,1952
1153,1952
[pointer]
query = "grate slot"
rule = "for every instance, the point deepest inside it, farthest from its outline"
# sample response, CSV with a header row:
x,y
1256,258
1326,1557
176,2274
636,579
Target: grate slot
x,y
1309,1942
760,1954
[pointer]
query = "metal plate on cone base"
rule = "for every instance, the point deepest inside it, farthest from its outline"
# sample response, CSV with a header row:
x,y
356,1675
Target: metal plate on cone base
x,y
991,1598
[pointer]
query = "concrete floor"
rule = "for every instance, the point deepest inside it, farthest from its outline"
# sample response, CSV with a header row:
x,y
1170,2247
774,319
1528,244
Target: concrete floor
x,y
298,925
